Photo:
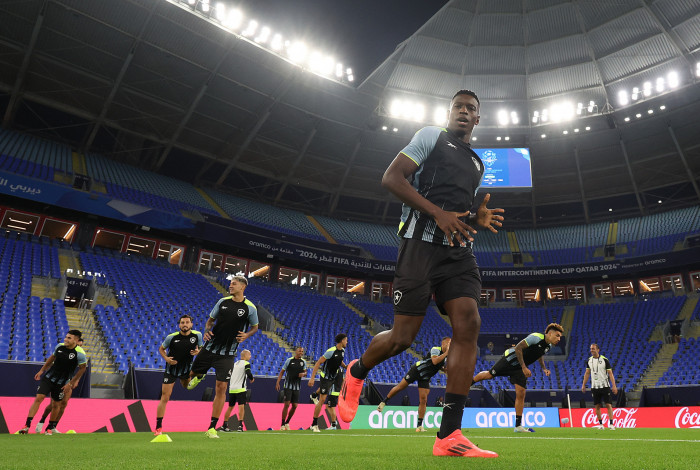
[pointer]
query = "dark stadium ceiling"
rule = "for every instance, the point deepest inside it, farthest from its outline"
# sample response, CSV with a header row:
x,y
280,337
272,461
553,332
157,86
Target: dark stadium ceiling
x,y
157,84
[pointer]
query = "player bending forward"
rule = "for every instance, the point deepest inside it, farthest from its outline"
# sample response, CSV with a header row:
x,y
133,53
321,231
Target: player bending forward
x,y
514,364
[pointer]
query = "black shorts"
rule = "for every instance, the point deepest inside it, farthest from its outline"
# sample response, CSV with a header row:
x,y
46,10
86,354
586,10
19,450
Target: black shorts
x,y
413,375
223,365
291,396
514,373
332,400
424,268
324,386
601,396
241,398
171,379
48,388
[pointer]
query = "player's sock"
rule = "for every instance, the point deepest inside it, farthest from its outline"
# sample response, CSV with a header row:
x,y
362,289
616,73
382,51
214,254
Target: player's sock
x,y
284,421
52,424
212,424
159,423
359,371
386,400
600,421
314,395
28,423
518,420
314,422
334,424
420,421
452,414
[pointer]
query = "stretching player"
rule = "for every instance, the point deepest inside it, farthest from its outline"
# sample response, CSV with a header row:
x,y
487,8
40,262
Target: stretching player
x,y
49,408
295,368
182,346
330,364
514,364
436,176
422,371
224,331
57,381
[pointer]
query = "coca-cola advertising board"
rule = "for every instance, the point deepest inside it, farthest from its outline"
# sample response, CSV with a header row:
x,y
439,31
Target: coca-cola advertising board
x,y
651,417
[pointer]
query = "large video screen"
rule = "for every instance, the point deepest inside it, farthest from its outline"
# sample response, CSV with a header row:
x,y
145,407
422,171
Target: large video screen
x,y
506,168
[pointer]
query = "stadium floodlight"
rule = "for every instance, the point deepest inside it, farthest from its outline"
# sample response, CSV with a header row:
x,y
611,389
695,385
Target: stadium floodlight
x,y
498,138
419,112
474,139
440,116
588,128
395,108
576,130
507,138
514,119
543,136
579,108
263,36
673,80
651,111
191,2
503,118
697,69
660,84
647,88
233,20
395,129
565,132
297,52
535,117
638,115
384,128
591,105
623,98
351,78
250,29
339,70
276,43
327,66
627,119
662,107
659,201
220,11
315,61
205,6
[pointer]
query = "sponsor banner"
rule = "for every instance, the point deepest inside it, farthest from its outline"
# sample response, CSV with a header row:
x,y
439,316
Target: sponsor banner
x,y
85,415
505,418
404,417
395,417
651,417
625,265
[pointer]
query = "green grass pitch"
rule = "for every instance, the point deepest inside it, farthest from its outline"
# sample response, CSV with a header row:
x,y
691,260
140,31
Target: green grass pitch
x,y
547,448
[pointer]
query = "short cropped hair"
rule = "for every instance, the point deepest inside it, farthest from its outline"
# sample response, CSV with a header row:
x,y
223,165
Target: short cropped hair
x,y
554,326
185,316
467,92
77,333
339,337
242,279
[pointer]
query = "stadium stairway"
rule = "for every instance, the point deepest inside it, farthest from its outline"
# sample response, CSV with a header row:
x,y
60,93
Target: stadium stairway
x,y
213,204
322,230
688,308
45,287
658,367
359,312
68,260
567,319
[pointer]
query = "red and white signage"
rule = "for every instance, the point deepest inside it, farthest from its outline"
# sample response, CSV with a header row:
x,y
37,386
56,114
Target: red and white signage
x,y
652,417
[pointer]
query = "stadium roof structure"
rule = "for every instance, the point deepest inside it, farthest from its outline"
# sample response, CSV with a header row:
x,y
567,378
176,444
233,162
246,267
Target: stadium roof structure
x,y
164,86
